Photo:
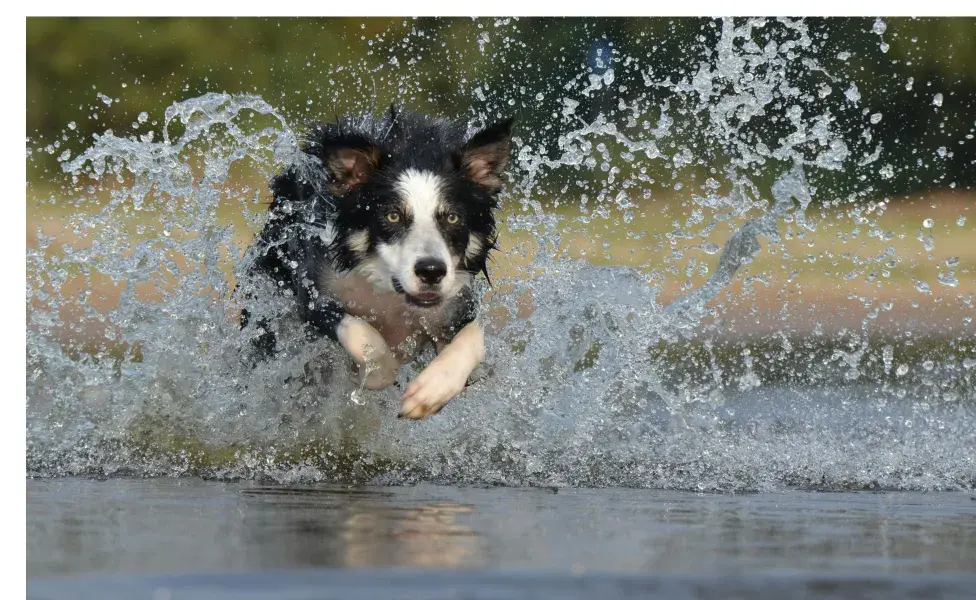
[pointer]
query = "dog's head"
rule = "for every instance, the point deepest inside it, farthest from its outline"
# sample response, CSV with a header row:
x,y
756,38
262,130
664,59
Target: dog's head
x,y
414,201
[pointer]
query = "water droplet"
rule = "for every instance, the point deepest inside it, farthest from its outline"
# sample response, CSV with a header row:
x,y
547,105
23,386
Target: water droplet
x,y
887,355
937,100
928,223
961,220
483,39
875,118
948,279
901,370
358,397
879,26
928,365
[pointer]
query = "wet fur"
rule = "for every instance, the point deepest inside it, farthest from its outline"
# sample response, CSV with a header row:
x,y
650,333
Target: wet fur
x,y
350,239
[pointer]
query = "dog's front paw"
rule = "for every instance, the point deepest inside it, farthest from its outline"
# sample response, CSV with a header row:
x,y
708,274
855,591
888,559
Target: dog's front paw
x,y
432,389
379,371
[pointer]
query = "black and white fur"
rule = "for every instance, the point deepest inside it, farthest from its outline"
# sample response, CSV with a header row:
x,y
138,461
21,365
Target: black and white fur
x,y
381,241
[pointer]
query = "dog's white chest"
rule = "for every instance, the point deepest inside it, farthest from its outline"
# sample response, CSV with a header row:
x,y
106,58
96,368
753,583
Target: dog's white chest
x,y
405,329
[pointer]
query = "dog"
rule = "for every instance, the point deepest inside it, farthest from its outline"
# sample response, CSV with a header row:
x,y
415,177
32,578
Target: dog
x,y
380,242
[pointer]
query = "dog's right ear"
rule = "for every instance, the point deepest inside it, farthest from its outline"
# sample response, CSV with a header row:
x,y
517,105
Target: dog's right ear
x,y
348,159
349,166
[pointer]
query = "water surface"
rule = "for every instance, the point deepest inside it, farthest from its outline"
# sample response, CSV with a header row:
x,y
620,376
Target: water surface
x,y
202,539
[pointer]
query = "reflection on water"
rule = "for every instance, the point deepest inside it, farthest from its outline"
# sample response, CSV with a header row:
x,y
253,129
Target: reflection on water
x,y
423,536
354,528
169,525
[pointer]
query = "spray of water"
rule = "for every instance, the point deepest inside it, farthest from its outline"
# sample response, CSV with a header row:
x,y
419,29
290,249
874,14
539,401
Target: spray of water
x,y
580,391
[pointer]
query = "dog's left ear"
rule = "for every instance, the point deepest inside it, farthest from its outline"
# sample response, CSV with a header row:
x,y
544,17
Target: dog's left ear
x,y
485,156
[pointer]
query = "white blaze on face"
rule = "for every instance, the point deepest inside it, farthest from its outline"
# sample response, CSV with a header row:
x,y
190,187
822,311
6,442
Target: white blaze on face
x,y
422,196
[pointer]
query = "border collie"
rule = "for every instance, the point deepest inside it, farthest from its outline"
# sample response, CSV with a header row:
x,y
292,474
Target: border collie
x,y
380,243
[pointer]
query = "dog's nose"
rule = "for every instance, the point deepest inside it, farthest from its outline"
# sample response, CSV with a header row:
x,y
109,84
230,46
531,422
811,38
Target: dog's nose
x,y
430,270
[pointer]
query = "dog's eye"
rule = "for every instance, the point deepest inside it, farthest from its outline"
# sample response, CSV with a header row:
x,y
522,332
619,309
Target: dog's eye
x,y
393,216
453,218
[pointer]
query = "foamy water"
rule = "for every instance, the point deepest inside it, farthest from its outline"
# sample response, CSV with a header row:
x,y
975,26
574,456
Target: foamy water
x,y
580,393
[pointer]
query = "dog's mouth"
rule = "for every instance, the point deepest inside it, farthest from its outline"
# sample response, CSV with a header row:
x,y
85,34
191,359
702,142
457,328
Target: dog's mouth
x,y
426,299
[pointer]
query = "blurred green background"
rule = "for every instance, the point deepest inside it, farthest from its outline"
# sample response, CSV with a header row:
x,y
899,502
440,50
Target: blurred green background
x,y
101,73
915,78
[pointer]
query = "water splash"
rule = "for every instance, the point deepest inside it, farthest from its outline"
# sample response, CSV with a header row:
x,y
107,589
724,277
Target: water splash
x,y
134,354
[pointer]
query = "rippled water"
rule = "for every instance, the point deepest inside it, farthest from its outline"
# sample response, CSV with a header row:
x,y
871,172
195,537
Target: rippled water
x,y
186,538
134,353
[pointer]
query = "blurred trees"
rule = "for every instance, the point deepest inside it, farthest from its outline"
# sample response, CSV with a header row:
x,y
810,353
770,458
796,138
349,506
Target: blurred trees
x,y
101,73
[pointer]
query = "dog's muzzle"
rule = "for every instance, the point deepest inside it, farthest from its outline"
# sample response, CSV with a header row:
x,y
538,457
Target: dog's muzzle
x,y
422,300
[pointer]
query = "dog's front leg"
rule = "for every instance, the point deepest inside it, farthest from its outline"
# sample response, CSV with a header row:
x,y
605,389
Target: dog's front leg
x,y
446,375
377,365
